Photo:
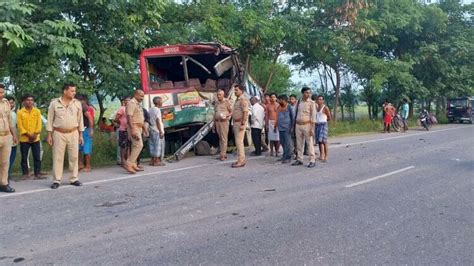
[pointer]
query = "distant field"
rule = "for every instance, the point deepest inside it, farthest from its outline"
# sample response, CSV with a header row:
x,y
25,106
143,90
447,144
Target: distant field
x,y
360,112
111,106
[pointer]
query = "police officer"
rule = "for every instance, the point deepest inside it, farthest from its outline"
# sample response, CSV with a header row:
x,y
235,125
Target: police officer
x,y
223,111
7,137
65,127
240,116
135,129
304,128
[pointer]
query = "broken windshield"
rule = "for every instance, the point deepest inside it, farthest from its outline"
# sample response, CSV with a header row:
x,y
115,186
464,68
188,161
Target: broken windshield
x,y
170,72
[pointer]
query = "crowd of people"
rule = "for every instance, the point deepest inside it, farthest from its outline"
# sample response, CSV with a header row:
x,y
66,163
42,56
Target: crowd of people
x,y
70,126
288,125
389,111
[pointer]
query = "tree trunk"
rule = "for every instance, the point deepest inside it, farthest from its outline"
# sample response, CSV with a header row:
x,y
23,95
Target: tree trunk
x,y
100,100
353,112
438,106
337,89
369,109
323,84
342,112
272,70
338,93
375,110
443,105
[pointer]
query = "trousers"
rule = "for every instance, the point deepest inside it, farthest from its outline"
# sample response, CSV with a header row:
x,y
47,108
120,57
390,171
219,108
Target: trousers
x,y
239,142
61,142
222,129
5,150
257,140
285,141
137,146
36,149
303,136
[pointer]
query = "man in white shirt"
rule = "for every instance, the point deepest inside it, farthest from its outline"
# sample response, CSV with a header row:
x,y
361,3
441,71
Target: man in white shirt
x,y
257,123
157,133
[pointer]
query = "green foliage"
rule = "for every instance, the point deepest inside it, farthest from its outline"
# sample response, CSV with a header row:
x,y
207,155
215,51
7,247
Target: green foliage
x,y
12,26
94,43
389,48
260,71
255,29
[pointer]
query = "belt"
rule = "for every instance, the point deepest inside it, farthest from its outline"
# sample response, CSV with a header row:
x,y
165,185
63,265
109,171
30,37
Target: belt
x,y
302,123
4,133
65,130
237,120
221,120
138,124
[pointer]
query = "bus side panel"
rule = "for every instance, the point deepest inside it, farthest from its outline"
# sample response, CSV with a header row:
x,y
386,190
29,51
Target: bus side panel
x,y
181,108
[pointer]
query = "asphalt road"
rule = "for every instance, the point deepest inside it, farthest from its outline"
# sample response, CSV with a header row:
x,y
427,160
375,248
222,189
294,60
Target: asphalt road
x,y
381,199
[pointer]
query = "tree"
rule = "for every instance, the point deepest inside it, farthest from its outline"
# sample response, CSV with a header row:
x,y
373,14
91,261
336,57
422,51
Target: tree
x,y
33,46
112,34
428,52
323,39
261,70
255,29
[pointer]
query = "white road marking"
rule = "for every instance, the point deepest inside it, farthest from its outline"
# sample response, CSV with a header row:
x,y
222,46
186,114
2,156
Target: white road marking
x,y
378,177
396,137
205,165
129,176
25,192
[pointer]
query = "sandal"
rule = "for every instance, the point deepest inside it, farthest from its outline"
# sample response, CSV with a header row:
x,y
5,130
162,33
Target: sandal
x,y
40,177
237,165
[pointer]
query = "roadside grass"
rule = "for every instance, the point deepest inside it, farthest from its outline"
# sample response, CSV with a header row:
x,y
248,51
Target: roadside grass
x,y
353,127
344,128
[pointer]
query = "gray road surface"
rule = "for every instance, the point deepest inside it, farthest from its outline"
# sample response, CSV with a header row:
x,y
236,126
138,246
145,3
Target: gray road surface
x,y
381,199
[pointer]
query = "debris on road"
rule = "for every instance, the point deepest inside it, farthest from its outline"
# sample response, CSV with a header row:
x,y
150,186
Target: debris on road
x,y
111,203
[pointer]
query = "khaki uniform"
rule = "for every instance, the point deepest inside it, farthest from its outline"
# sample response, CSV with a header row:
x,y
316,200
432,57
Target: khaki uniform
x,y
305,120
65,123
240,117
5,140
222,110
135,110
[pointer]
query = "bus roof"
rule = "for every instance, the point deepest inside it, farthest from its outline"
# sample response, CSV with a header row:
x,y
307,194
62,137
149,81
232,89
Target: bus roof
x,y
461,98
186,49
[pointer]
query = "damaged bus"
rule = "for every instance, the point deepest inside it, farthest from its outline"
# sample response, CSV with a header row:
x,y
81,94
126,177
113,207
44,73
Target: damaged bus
x,y
187,77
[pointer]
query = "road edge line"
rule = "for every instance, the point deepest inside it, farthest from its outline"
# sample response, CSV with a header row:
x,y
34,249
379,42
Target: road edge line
x,y
378,177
